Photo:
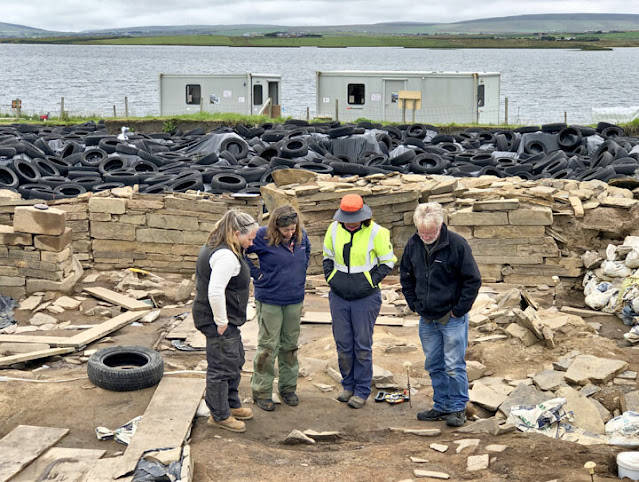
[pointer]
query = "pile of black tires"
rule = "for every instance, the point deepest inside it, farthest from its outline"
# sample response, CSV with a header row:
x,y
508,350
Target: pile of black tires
x,y
57,162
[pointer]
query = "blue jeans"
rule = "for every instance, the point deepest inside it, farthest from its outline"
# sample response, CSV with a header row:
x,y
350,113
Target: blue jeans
x,y
353,325
445,348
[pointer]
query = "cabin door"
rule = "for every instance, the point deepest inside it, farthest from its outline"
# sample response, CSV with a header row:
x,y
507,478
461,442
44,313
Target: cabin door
x,y
392,112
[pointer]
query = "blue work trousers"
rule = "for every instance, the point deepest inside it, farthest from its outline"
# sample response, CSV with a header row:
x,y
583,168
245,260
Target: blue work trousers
x,y
445,350
353,324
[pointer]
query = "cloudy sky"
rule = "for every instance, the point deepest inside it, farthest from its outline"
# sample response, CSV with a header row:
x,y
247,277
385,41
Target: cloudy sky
x,y
77,15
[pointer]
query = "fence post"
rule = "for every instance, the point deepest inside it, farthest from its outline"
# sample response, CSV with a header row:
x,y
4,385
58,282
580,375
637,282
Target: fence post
x,y
126,107
201,104
114,113
336,109
506,111
62,107
308,113
565,117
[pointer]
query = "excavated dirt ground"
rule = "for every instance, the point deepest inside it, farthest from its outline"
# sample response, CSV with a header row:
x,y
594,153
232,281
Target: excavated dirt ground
x,y
367,449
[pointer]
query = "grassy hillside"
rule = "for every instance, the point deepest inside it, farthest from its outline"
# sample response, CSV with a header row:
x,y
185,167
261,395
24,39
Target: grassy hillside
x,y
584,42
13,30
517,25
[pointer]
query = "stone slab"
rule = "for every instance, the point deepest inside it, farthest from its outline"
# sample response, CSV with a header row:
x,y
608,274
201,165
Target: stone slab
x,y
28,219
590,369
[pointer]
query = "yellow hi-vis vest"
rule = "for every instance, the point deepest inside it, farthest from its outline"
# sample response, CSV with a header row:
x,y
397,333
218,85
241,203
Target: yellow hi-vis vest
x,y
371,246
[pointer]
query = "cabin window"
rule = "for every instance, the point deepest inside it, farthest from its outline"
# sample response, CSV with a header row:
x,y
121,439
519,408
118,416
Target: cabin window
x,y
480,96
257,95
356,94
193,94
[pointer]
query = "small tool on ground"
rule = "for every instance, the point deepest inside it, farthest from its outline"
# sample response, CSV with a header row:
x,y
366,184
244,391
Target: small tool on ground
x,y
392,397
408,364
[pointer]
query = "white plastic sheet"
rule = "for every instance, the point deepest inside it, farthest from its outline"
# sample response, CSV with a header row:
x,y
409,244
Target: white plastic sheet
x,y
615,115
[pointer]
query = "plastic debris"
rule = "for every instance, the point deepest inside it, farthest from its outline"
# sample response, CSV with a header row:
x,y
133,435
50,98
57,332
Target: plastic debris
x,y
544,418
624,429
7,304
121,434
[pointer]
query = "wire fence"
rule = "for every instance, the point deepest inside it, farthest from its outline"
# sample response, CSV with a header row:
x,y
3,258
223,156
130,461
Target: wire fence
x,y
507,114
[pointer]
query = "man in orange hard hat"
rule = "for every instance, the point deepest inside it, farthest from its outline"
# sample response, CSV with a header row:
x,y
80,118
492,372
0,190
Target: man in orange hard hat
x,y
358,254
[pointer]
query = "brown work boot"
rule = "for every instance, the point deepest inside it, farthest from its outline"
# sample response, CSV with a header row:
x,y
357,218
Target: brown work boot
x,y
231,424
242,413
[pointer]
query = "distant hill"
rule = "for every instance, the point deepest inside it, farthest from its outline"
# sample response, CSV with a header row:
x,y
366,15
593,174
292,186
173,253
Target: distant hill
x,y
520,24
13,30
573,22
577,22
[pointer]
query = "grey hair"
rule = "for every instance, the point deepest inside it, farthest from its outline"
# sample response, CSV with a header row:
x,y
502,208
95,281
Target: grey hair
x,y
224,231
428,214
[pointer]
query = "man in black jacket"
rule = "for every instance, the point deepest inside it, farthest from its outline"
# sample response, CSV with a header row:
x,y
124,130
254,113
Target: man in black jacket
x,y
440,281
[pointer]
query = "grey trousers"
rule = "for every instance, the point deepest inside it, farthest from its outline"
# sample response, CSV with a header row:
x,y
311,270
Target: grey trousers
x,y
225,358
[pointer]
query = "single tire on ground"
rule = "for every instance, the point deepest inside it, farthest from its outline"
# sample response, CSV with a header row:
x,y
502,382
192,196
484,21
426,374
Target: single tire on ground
x,y
125,368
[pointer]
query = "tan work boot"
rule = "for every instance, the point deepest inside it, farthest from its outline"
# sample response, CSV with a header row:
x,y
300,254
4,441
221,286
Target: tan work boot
x,y
231,424
242,413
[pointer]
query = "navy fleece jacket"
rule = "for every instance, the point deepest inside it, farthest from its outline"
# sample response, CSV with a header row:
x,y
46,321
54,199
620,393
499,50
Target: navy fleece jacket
x,y
281,275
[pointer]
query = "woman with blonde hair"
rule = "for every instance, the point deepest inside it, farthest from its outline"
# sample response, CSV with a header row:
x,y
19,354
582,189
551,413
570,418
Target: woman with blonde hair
x,y
283,251
222,279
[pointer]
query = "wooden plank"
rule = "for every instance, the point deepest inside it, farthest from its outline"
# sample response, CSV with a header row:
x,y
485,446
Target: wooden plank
x,y
166,421
317,317
82,338
15,348
389,321
23,445
124,301
109,326
101,470
196,339
584,313
181,331
324,317
52,341
34,355
49,465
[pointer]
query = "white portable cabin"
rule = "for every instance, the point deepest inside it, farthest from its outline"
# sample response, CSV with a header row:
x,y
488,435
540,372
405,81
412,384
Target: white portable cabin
x,y
246,94
438,97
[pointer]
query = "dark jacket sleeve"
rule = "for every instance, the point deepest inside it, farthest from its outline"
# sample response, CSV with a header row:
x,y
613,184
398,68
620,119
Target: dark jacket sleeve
x,y
257,247
327,265
307,241
470,282
407,278
378,273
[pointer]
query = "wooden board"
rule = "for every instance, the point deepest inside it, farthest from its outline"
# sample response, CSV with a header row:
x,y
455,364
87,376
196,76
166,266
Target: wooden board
x,y
324,317
7,349
124,301
109,326
181,331
196,339
58,462
102,470
389,321
52,341
34,355
584,313
23,445
83,338
166,421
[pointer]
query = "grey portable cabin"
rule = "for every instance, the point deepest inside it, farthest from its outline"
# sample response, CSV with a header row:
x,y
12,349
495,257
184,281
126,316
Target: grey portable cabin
x,y
424,97
247,94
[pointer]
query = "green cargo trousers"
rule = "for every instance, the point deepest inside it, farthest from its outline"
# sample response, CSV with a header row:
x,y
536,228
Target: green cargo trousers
x,y
278,331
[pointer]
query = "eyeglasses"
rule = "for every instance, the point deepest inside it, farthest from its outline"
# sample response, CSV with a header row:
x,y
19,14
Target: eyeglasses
x,y
286,219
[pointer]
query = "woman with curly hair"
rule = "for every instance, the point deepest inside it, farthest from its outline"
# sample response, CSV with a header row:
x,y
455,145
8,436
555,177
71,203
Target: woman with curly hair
x,y
283,251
